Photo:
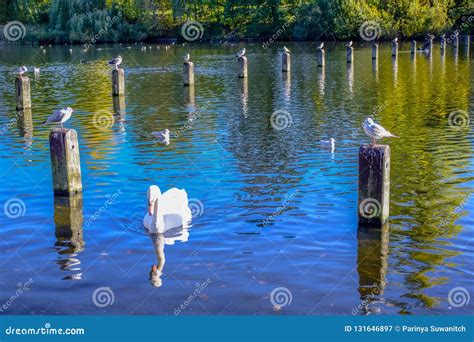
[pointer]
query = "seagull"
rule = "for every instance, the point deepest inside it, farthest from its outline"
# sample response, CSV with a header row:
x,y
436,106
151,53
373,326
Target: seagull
x,y
116,61
286,50
163,136
70,50
36,70
375,131
187,57
331,143
21,70
320,46
395,40
59,116
241,53
349,44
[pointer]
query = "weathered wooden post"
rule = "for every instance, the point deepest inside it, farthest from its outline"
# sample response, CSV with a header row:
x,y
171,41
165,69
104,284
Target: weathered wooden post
x,y
286,62
65,162
467,40
394,49
118,82
321,57
243,68
455,38
350,54
375,51
429,44
188,73
68,220
24,122
22,92
442,43
413,47
374,185
189,96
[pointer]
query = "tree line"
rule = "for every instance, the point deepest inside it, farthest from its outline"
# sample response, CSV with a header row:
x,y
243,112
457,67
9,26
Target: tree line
x,y
79,21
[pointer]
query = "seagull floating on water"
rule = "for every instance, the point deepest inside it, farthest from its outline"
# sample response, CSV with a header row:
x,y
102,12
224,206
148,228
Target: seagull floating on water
x,y
162,136
349,44
241,53
187,57
320,46
116,61
59,116
375,131
21,70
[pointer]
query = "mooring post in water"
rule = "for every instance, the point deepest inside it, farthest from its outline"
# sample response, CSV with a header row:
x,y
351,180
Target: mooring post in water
x,y
350,54
118,82
243,69
429,45
455,40
68,219
375,51
65,162
286,62
374,185
188,73
321,57
442,43
22,92
394,49
413,47
467,40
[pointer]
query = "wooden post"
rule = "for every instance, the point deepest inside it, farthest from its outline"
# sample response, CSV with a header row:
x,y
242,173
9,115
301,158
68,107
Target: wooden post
x,y
413,47
243,68
22,92
430,45
467,40
188,73
68,220
374,185
65,161
375,51
456,41
442,43
286,62
321,57
350,54
118,82
24,122
394,49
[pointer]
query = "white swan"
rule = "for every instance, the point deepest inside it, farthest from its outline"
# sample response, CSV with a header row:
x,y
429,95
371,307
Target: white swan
x,y
166,211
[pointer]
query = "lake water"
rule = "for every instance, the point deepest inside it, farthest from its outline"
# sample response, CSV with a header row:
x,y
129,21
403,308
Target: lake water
x,y
273,208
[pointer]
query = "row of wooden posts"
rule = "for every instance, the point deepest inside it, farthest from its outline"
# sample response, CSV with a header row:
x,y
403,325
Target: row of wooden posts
x,y
374,161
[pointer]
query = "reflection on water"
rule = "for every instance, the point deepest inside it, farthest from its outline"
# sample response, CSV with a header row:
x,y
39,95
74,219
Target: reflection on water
x,y
278,208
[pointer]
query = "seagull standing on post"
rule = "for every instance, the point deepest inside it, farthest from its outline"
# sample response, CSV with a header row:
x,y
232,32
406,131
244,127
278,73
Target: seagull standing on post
x,y
349,44
320,46
375,131
116,61
21,70
286,50
187,57
59,116
241,53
